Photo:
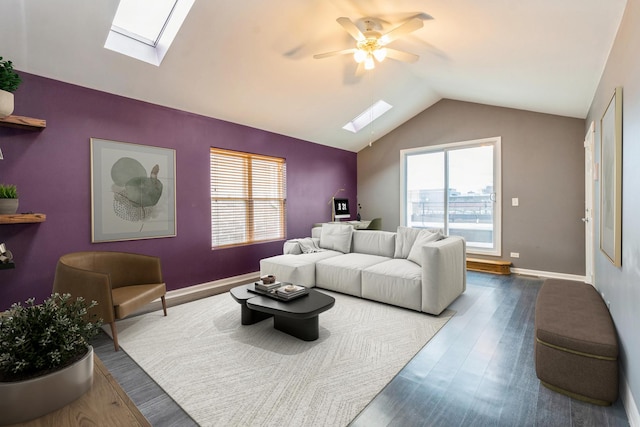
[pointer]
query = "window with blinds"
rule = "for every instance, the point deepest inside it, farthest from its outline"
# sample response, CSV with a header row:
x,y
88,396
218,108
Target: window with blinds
x,y
248,198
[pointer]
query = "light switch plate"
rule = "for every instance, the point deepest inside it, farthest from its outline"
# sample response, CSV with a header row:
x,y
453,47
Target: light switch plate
x,y
515,201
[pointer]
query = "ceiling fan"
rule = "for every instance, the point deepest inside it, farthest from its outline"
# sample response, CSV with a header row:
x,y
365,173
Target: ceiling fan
x,y
371,43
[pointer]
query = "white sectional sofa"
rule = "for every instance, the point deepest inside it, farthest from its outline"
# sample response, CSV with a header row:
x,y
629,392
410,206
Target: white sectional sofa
x,y
413,268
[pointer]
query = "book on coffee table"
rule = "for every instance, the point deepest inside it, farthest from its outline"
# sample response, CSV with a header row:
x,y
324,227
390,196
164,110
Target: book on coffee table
x,y
266,286
292,294
291,291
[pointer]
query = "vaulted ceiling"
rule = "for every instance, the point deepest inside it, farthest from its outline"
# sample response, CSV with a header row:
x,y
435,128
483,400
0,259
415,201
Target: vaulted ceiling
x,y
251,62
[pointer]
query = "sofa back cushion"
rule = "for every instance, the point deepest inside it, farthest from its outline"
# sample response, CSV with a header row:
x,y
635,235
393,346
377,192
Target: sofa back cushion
x,y
404,241
424,237
336,237
374,242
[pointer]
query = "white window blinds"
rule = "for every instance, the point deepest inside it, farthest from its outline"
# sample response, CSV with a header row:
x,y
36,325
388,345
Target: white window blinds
x,y
248,198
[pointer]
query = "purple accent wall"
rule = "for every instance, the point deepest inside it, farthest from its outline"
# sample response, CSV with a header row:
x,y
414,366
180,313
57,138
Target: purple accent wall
x,y
52,171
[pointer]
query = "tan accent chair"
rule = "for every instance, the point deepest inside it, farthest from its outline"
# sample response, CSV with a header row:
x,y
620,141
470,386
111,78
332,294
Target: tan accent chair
x,y
120,282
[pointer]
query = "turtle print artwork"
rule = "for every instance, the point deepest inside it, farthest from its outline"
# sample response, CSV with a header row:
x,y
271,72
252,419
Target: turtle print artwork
x,y
133,191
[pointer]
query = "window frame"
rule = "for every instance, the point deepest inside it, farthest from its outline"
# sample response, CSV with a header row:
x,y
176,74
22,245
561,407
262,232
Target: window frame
x,y
130,44
250,201
497,190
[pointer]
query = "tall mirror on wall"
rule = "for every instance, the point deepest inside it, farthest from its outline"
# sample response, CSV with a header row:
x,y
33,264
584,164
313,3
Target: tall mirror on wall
x,y
340,209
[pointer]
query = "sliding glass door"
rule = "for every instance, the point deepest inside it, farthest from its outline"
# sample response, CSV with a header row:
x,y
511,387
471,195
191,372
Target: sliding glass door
x,y
453,187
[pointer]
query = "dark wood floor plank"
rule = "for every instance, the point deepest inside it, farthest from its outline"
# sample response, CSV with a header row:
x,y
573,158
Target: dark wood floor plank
x,y
508,392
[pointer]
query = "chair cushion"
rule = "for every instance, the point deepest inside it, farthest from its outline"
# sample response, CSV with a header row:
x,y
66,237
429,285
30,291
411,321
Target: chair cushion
x,y
128,299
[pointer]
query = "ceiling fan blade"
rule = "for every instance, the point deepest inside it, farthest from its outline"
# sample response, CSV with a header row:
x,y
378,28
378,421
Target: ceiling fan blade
x,y
360,69
335,52
401,56
406,28
351,28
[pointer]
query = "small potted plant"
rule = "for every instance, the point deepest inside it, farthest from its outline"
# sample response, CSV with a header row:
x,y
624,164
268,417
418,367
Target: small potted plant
x,y
8,199
9,82
46,360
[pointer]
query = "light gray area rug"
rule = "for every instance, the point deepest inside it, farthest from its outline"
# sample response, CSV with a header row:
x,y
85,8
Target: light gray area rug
x,y
226,374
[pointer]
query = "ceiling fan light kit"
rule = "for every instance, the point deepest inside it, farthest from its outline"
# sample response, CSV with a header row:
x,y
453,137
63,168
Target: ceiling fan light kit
x,y
371,43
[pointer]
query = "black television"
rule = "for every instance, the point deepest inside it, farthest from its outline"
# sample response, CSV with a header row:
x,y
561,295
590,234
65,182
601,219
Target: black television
x,y
341,208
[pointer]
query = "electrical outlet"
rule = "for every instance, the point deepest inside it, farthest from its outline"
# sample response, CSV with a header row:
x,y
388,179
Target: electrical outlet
x,y
514,255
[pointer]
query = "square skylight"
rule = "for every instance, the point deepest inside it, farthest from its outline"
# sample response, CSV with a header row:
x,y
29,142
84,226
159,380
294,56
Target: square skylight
x,y
144,29
143,20
367,116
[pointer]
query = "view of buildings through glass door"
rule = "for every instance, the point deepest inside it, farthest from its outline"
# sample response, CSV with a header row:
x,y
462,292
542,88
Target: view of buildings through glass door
x,y
453,188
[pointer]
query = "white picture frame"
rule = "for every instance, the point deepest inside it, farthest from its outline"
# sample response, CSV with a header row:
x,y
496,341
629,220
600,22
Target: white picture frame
x,y
133,193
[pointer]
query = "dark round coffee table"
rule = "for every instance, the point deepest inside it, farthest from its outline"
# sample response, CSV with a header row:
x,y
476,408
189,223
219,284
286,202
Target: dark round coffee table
x,y
298,317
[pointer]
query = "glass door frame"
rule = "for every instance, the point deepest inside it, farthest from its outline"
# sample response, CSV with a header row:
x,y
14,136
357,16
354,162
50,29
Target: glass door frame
x,y
497,190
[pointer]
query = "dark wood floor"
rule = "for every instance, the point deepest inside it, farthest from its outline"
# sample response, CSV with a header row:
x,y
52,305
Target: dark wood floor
x,y
477,371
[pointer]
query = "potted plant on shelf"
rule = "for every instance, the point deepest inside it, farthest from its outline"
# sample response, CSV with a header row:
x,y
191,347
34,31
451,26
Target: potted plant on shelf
x,y
46,360
9,82
8,199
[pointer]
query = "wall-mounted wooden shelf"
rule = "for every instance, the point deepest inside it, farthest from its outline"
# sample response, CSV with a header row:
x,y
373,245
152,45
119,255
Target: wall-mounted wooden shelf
x,y
20,122
7,266
22,218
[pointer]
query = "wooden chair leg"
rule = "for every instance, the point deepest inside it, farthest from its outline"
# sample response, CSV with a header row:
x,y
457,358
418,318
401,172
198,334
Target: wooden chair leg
x,y
164,305
114,333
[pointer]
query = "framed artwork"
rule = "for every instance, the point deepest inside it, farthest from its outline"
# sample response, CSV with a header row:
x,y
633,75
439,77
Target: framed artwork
x,y
133,191
611,179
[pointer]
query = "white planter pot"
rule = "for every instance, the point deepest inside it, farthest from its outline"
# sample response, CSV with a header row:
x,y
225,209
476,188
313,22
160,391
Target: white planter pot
x,y
8,206
6,103
26,400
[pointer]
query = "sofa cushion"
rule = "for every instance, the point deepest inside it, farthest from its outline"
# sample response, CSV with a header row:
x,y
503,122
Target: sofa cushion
x,y
373,242
336,237
296,269
395,281
404,241
424,237
343,273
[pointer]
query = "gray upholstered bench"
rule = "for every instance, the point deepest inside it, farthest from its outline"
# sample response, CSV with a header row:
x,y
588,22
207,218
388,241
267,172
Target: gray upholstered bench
x,y
576,348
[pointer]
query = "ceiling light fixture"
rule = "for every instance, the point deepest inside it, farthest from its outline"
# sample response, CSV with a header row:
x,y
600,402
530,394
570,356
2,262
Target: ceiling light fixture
x,y
371,43
368,49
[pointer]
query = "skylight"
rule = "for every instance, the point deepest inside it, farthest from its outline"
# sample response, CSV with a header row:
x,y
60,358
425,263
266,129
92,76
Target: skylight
x,y
144,29
367,116
143,20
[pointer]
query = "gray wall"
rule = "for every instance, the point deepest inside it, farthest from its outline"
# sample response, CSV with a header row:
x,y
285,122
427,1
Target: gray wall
x,y
621,286
542,165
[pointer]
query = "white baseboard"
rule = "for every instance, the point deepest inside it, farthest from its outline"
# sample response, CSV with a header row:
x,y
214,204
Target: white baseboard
x,y
548,274
629,402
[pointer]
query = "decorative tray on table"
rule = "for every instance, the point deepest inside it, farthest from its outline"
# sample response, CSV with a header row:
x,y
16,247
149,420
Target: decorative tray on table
x,y
283,292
